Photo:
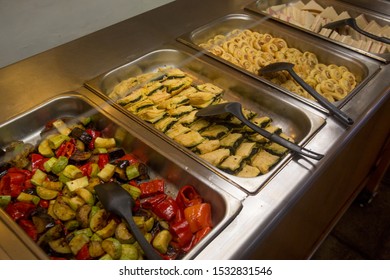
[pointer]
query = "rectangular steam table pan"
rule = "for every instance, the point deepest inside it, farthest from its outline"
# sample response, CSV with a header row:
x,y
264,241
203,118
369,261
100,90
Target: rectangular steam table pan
x,y
296,121
28,126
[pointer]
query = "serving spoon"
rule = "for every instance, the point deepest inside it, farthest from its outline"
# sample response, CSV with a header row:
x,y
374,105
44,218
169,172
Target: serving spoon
x,y
279,66
352,23
235,109
118,201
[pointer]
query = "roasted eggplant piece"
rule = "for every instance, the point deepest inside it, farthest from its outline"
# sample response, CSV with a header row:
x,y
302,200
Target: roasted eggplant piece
x,y
116,153
80,156
81,134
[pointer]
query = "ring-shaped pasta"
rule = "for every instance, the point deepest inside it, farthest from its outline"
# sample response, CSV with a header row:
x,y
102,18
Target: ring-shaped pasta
x,y
267,56
279,42
269,47
350,78
266,38
311,58
217,50
335,73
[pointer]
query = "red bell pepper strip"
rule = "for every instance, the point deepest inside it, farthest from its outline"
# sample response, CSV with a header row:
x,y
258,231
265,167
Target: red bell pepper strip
x,y
20,210
26,172
151,188
29,228
200,234
86,169
12,184
15,190
166,209
188,196
37,161
150,202
198,216
103,160
67,148
83,254
181,232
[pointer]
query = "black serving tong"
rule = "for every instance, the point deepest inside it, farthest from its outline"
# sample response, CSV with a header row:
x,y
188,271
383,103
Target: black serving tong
x,y
352,23
235,109
279,66
118,201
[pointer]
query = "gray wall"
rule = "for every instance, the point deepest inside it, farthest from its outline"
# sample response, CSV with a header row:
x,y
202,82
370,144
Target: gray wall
x,y
28,27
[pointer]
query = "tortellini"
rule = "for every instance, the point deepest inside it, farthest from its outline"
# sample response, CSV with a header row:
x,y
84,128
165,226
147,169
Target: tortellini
x,y
252,50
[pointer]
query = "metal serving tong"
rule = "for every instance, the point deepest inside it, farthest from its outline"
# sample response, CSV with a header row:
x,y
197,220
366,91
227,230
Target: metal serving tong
x,y
279,66
352,23
235,109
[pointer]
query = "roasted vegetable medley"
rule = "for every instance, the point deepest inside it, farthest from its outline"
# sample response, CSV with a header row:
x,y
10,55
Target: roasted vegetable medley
x,y
48,190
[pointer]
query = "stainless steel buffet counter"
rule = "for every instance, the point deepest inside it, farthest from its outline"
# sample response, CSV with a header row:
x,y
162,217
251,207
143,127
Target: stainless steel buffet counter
x,y
296,207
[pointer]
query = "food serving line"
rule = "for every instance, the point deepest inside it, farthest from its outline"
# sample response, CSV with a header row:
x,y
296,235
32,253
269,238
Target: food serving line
x,y
283,215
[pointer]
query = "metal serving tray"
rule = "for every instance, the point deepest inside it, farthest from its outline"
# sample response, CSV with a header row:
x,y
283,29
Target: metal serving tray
x,y
27,127
327,53
292,119
261,5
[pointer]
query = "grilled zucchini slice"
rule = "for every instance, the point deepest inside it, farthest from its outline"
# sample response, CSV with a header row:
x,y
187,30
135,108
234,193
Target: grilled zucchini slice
x,y
275,149
132,98
173,102
209,87
123,88
140,105
152,114
159,96
216,157
189,139
201,99
273,129
180,111
164,124
215,131
264,161
248,171
173,73
263,121
176,85
152,87
231,164
185,92
256,137
207,146
188,118
247,149
176,130
231,141
200,124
